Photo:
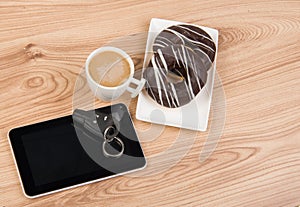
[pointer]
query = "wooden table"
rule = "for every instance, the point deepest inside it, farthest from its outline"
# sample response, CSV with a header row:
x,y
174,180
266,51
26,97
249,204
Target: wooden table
x,y
44,44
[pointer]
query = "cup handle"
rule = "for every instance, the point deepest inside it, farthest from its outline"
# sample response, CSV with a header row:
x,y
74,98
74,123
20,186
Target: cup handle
x,y
140,85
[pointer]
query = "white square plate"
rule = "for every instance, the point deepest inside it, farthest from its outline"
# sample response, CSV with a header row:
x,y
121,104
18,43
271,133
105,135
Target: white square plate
x,y
193,115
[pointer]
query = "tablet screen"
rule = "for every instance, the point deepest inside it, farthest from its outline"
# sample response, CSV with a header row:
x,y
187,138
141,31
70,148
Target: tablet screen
x,y
55,154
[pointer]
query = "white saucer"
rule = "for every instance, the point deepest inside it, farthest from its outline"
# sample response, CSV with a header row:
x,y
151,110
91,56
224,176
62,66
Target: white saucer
x,y
193,115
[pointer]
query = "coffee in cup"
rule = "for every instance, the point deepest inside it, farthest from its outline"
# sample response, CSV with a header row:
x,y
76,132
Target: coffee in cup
x,y
109,69
109,72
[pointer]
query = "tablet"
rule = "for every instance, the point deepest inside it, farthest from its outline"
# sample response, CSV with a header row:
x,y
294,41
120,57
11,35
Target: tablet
x,y
63,153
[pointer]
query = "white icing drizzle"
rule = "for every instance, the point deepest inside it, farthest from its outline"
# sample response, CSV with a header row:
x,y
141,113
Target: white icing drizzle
x,y
179,54
176,58
158,45
195,71
174,32
156,78
174,92
189,40
157,71
172,99
193,67
161,42
198,49
187,89
187,71
165,39
166,67
186,28
150,88
163,60
162,82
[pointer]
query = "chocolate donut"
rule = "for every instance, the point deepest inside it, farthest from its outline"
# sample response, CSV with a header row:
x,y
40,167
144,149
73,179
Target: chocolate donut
x,y
174,76
178,68
190,36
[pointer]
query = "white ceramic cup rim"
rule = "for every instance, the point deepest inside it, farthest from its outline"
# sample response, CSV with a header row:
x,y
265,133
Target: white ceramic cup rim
x,y
110,49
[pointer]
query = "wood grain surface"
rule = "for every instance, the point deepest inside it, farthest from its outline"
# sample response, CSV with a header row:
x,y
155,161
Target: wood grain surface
x,y
44,44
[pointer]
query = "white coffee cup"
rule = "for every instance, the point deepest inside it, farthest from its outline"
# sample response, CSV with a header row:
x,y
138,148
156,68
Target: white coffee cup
x,y
111,93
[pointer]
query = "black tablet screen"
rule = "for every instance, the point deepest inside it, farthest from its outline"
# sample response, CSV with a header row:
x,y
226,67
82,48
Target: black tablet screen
x,y
55,153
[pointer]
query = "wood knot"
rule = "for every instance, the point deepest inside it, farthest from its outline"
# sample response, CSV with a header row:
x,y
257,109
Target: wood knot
x,y
35,82
32,51
32,82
